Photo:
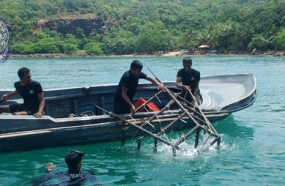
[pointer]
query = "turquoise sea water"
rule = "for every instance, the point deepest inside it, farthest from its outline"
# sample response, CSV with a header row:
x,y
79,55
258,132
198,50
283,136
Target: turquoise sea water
x,y
253,140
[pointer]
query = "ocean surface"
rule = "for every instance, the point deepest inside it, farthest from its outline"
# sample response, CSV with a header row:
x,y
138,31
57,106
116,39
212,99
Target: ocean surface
x,y
253,140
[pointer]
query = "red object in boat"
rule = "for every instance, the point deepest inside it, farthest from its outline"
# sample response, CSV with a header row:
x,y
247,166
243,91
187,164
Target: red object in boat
x,y
150,105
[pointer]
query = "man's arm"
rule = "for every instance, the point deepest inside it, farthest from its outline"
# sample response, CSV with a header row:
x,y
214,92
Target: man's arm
x,y
41,105
180,85
6,96
156,82
195,92
127,99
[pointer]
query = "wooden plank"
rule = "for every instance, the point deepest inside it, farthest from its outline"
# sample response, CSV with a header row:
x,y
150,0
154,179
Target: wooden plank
x,y
25,133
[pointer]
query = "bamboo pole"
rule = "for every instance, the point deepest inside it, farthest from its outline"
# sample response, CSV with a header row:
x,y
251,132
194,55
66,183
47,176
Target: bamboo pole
x,y
160,112
211,128
138,127
197,137
205,118
188,114
144,104
185,136
170,124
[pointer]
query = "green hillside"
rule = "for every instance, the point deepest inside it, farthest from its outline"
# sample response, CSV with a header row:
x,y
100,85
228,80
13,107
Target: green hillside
x,y
142,26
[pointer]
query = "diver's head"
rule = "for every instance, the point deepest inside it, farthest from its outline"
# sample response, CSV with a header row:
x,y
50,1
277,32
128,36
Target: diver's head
x,y
74,160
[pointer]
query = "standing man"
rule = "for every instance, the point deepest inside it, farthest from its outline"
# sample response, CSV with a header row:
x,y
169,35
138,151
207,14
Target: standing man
x,y
32,93
127,88
188,79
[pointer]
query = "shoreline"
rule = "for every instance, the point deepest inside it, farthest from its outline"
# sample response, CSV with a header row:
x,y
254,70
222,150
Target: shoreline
x,y
168,54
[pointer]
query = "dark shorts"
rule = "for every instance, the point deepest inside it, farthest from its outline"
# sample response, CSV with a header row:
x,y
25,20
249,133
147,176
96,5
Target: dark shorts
x,y
21,107
186,96
122,109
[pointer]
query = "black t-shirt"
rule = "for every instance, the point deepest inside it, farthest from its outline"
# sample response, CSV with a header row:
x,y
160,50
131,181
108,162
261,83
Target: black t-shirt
x,y
131,82
30,93
65,179
189,78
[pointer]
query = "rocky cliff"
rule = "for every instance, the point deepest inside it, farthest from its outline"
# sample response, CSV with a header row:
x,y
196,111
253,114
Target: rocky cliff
x,y
69,24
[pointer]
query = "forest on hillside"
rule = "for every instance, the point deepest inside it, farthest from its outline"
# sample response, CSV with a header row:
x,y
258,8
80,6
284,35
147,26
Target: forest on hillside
x,y
144,26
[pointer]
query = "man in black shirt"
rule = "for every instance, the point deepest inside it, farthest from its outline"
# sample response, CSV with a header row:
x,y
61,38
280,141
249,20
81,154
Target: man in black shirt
x,y
32,93
73,176
123,102
188,79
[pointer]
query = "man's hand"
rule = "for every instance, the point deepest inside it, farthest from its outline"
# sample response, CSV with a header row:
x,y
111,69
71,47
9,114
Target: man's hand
x,y
38,115
186,88
50,166
5,97
133,109
162,87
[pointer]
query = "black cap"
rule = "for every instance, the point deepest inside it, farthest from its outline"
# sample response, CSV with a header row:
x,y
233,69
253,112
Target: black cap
x,y
74,157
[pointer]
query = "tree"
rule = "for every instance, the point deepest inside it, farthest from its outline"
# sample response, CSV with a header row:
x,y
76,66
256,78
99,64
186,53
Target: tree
x,y
79,33
69,48
145,26
261,43
47,45
279,40
23,48
154,37
188,40
93,48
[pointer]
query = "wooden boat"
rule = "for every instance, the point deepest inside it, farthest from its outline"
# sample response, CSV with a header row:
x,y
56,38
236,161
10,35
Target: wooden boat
x,y
73,115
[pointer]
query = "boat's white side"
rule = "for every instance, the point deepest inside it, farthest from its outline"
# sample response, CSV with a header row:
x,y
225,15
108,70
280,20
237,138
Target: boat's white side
x,y
229,92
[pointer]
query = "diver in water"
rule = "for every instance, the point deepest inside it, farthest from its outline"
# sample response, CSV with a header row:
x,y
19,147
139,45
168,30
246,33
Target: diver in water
x,y
72,177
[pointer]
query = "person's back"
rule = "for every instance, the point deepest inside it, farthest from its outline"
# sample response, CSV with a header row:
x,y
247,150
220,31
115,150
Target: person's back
x,y
72,177
64,179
